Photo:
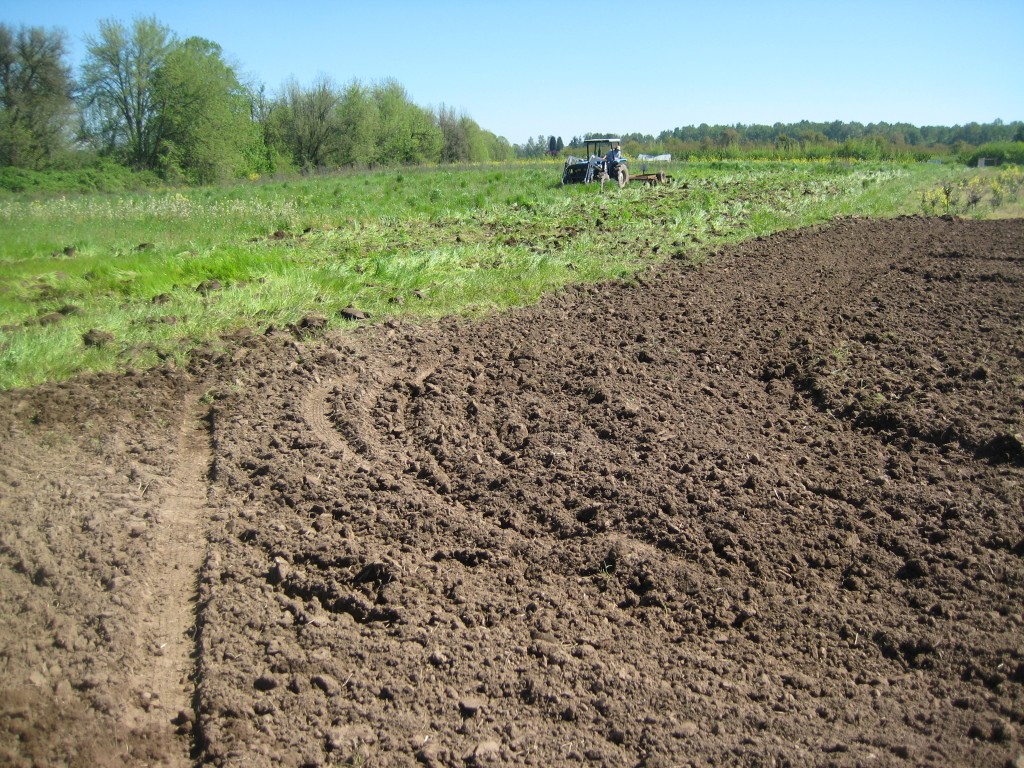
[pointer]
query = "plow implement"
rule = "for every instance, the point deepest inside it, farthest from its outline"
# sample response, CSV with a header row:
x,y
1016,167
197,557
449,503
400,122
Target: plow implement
x,y
652,179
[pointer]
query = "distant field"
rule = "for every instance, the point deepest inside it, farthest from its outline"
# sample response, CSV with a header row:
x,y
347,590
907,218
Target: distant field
x,y
104,283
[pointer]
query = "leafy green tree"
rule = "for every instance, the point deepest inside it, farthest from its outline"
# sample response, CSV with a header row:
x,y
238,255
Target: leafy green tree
x,y
206,130
270,157
810,138
118,78
973,134
477,141
35,96
406,133
310,123
427,138
784,142
466,142
358,124
456,148
394,134
498,147
728,137
539,146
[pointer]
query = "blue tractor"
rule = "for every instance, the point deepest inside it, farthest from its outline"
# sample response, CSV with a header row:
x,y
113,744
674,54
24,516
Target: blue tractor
x,y
603,161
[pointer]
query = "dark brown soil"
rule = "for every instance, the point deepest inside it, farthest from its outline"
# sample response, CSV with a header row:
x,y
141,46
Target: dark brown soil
x,y
766,511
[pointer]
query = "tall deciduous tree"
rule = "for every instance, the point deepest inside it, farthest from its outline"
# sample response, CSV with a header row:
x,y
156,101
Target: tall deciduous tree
x,y
478,139
406,133
308,122
466,142
456,144
206,129
358,125
272,155
35,96
118,85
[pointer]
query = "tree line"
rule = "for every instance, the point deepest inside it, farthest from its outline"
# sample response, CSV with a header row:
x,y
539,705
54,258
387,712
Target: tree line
x,y
155,102
837,131
151,101
826,139
836,139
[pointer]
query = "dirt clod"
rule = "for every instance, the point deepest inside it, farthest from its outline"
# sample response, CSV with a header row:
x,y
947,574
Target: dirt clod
x,y
97,338
351,313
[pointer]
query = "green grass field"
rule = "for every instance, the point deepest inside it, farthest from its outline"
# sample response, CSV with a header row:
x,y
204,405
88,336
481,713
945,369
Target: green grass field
x,y
140,268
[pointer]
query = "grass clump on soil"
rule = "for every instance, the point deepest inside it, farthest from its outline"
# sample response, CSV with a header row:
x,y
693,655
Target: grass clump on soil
x,y
157,274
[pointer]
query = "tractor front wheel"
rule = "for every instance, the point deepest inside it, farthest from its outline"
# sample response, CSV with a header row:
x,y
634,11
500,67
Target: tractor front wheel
x,y
623,176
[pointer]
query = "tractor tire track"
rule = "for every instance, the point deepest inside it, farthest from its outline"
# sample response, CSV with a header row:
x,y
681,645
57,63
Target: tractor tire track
x,y
168,617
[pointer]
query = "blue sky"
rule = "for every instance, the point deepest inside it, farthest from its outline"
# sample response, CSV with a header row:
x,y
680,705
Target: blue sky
x,y
527,68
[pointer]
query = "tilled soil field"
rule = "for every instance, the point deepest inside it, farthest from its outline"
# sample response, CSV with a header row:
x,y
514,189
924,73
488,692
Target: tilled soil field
x,y
764,511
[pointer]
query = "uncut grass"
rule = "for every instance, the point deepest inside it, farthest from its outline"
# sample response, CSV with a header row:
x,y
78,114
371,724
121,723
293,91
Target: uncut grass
x,y
422,243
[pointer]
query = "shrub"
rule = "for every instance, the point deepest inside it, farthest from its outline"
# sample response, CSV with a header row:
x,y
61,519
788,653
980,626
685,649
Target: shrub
x,y
998,153
103,176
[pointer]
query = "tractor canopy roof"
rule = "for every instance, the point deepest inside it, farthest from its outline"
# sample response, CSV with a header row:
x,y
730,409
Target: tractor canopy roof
x,y
595,146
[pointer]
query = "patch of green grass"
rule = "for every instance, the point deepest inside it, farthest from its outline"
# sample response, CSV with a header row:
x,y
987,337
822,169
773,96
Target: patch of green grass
x,y
416,243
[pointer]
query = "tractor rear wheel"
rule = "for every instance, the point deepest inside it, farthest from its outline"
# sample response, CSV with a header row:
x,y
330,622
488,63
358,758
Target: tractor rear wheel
x,y
623,176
